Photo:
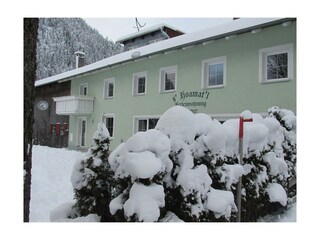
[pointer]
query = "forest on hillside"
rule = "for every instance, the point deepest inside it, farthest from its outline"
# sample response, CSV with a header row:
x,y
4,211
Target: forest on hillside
x,y
60,38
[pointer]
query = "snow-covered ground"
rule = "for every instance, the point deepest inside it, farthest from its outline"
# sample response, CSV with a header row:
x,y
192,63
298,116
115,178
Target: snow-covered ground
x,y
51,185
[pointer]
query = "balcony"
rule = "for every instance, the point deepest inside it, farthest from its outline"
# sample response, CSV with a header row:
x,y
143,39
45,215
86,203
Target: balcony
x,y
74,105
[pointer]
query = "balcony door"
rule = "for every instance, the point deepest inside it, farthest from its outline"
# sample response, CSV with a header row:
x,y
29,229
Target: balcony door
x,y
82,129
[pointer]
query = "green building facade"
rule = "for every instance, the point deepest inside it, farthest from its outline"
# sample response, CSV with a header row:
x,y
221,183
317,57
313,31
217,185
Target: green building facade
x,y
251,66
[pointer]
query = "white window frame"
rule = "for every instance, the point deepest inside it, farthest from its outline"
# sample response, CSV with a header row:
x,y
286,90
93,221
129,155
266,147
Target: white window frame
x,y
135,82
162,72
106,88
143,117
109,115
81,87
205,71
265,52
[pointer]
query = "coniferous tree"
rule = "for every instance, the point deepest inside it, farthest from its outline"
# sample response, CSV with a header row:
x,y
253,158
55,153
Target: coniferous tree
x,y
92,178
60,38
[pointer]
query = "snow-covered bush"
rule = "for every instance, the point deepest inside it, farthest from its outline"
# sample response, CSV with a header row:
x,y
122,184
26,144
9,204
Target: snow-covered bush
x,y
92,179
287,121
186,169
142,163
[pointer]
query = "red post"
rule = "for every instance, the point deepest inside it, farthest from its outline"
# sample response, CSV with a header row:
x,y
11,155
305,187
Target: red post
x,y
57,129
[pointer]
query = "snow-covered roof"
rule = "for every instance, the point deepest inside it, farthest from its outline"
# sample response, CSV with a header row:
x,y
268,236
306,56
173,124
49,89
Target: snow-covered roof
x,y
147,30
182,41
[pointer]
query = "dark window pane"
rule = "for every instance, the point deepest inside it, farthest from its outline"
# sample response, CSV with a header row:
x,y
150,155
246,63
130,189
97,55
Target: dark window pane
x,y
141,84
169,81
142,125
109,125
110,92
153,122
277,66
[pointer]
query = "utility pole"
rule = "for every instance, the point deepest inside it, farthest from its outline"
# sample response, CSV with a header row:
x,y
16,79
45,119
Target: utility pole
x,y
239,186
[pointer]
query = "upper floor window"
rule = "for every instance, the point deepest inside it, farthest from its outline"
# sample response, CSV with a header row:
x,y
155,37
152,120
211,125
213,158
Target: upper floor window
x,y
168,79
108,90
214,72
139,83
83,89
276,63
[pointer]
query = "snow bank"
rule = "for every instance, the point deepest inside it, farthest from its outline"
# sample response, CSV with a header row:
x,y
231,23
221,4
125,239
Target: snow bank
x,y
50,183
221,203
144,201
63,211
276,193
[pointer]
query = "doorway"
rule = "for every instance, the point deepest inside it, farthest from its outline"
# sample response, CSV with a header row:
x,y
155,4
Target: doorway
x,y
82,129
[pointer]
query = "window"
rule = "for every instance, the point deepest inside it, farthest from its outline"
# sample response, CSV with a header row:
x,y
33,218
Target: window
x,y
108,120
139,83
83,89
168,79
276,63
109,88
214,72
142,124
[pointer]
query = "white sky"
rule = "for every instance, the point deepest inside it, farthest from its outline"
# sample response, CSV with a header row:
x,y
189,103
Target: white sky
x,y
114,28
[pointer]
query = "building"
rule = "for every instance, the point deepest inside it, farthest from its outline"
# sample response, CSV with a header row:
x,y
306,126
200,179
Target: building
x,y
49,128
245,64
148,36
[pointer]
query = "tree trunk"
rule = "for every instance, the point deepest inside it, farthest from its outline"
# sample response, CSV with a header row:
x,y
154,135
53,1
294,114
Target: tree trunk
x,y
30,31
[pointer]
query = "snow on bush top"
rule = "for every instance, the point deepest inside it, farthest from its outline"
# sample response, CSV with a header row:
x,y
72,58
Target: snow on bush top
x,y
178,123
202,133
102,132
144,155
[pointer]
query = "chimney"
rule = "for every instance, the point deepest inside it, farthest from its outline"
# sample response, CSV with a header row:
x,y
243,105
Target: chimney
x,y
79,59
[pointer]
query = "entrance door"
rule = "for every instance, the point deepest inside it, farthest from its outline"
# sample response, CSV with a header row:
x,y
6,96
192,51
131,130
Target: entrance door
x,y
82,128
